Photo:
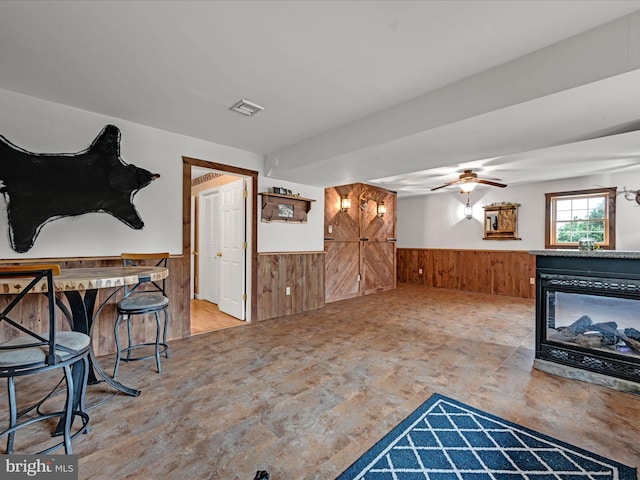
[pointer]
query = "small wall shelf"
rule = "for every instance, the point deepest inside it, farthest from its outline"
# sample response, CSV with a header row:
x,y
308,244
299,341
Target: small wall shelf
x,y
501,222
277,207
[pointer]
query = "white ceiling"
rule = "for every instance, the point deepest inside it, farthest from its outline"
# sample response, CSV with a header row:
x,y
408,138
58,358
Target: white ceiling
x,y
404,94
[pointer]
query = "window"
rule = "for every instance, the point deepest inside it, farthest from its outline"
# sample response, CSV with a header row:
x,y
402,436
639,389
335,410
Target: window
x,y
571,216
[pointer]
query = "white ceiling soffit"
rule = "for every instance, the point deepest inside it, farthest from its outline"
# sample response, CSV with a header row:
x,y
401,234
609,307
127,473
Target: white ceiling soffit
x,y
582,88
352,90
566,118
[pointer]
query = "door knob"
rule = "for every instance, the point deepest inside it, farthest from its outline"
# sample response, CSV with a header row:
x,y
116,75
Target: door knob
x,y
219,254
194,252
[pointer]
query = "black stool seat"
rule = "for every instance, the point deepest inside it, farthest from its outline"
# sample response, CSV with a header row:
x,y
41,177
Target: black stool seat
x,y
142,303
67,343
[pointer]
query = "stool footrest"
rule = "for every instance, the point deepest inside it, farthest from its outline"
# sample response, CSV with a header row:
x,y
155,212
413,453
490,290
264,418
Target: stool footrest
x,y
162,349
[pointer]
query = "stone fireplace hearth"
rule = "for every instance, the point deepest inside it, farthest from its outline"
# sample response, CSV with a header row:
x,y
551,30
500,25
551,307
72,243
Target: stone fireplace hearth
x,y
588,316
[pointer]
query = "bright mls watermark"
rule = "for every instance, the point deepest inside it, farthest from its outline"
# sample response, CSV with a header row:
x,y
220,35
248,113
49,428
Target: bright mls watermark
x,y
52,467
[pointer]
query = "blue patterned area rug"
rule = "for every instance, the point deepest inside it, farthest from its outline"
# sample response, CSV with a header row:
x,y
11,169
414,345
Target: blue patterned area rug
x,y
448,440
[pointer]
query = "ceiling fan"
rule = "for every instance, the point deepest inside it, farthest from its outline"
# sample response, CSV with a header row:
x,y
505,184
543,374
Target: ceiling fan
x,y
468,180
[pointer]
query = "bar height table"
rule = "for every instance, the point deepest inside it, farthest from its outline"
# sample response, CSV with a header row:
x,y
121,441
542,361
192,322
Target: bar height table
x,y
80,286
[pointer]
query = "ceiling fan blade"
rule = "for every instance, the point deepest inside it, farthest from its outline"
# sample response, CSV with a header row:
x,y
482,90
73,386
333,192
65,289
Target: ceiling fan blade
x,y
447,184
488,182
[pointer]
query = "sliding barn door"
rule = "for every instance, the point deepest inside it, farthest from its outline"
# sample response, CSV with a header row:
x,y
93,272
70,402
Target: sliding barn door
x,y
342,270
341,246
378,249
360,248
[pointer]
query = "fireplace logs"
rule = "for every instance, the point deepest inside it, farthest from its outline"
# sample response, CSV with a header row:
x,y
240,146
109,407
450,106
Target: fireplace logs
x,y
597,335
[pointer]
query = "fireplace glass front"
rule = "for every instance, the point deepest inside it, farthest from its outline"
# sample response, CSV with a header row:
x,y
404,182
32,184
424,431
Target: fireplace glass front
x,y
592,323
606,324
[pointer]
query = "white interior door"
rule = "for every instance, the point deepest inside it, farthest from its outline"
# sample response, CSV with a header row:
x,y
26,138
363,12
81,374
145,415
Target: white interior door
x,y
209,245
233,248
192,234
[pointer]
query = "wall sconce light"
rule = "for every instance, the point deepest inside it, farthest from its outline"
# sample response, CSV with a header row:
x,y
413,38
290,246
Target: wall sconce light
x,y
468,210
381,209
345,204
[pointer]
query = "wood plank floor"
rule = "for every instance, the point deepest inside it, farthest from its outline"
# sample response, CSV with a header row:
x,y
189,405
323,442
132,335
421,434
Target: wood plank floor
x,y
303,396
207,317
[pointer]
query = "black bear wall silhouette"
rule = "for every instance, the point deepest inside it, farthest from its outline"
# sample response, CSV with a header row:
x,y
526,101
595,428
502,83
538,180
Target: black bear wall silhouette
x,y
39,188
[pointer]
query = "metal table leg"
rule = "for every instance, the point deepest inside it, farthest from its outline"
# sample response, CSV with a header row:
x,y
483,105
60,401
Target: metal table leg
x,y
82,314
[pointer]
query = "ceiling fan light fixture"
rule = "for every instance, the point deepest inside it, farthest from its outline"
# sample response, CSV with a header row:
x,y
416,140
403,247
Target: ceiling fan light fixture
x,y
468,181
467,187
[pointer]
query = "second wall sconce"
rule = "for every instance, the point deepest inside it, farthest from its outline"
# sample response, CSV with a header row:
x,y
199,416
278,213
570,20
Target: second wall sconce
x,y
366,197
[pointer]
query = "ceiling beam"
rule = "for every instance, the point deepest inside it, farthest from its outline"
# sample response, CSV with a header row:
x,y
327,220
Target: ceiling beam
x,y
608,51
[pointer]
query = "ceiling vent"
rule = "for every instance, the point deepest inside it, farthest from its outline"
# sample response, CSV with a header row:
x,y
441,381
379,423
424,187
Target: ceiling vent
x,y
246,108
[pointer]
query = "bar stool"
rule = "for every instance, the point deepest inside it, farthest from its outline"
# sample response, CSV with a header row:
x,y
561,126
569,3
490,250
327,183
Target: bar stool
x,y
32,353
147,297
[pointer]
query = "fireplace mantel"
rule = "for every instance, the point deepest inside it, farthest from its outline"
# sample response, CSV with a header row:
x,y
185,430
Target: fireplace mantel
x,y
629,254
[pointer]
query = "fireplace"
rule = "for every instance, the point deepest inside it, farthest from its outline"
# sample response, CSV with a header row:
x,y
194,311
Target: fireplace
x,y
588,316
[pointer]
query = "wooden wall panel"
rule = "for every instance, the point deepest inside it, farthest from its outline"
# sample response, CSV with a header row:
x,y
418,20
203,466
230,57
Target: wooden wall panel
x,y
104,343
28,315
498,272
303,272
313,290
269,287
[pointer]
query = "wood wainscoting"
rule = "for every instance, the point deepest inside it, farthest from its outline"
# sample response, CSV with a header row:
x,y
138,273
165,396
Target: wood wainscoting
x,y
302,272
498,272
104,343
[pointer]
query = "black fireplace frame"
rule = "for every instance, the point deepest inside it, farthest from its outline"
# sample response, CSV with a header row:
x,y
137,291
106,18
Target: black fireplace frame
x,y
609,277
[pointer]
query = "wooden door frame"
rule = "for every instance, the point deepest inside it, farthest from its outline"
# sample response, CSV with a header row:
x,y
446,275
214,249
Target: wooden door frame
x,y
187,163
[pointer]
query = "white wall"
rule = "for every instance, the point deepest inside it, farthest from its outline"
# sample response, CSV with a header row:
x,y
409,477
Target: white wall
x,y
44,127
294,237
432,221
437,220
